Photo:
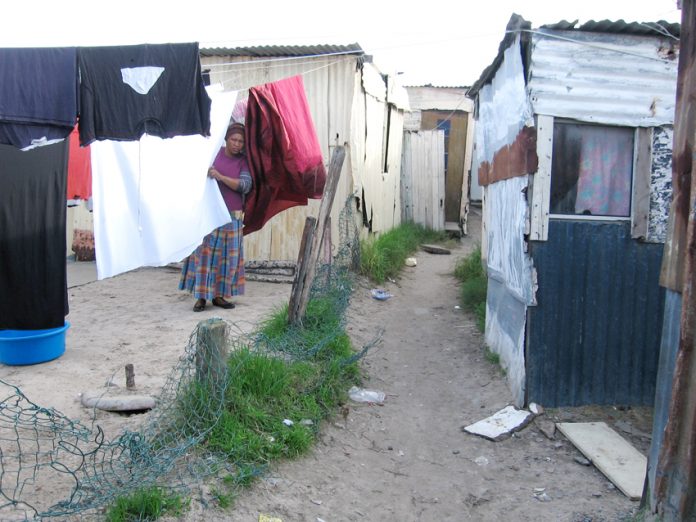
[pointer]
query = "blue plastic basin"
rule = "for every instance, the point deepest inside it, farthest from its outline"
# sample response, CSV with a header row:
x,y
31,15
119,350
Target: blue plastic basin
x,y
21,347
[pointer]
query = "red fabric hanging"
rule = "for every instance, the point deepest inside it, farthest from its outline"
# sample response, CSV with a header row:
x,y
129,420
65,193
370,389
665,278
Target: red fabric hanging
x,y
283,150
79,169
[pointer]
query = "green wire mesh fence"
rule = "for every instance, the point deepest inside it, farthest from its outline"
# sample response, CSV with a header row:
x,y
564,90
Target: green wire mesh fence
x,y
52,466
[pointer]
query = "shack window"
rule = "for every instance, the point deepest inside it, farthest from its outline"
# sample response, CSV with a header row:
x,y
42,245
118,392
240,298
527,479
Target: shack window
x,y
591,170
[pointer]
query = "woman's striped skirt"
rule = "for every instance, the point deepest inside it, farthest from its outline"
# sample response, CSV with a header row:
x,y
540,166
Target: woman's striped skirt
x,y
216,267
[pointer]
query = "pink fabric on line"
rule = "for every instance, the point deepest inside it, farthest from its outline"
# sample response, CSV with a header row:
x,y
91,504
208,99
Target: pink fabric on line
x,y
283,151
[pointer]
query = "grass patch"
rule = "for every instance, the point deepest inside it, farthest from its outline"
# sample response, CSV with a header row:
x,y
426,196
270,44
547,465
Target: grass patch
x,y
276,395
492,357
383,256
471,274
146,504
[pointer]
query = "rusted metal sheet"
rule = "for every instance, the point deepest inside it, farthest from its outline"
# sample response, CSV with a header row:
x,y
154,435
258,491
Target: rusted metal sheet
x,y
503,108
517,159
594,336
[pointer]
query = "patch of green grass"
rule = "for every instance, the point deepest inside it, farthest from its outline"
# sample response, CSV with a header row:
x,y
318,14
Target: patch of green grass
x,y
492,357
276,394
383,256
146,504
471,274
266,390
223,498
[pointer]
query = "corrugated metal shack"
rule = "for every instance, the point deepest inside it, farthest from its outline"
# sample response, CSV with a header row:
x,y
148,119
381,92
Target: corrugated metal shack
x,y
435,191
573,148
352,103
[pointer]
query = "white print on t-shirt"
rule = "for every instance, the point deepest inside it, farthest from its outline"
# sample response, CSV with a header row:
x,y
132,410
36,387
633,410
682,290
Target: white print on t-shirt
x,y
141,79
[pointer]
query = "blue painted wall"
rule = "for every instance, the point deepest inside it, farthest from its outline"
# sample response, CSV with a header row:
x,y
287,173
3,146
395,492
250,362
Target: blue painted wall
x,y
594,336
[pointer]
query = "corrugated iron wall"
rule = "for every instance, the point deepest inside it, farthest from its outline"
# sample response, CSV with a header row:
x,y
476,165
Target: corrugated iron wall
x,y
594,337
604,78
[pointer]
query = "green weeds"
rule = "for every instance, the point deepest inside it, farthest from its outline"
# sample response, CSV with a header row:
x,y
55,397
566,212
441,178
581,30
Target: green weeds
x,y
146,504
471,274
383,256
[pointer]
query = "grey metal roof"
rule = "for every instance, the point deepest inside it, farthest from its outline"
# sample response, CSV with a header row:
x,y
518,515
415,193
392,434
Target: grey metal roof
x,y
284,50
660,28
517,24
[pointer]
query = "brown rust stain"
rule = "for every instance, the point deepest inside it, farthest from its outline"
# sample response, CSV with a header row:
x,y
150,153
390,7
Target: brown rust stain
x,y
510,161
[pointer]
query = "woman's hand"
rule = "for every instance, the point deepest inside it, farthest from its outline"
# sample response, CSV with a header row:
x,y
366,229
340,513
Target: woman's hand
x,y
214,173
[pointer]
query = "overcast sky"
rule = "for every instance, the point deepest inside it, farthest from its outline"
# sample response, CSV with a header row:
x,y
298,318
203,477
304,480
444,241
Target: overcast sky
x,y
439,42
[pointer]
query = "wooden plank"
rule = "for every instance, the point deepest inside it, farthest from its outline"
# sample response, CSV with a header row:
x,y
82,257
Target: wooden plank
x,y
613,455
407,179
466,180
435,249
640,208
269,278
441,186
271,263
541,187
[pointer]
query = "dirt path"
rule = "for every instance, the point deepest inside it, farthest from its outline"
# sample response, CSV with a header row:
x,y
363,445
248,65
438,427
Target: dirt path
x,y
409,460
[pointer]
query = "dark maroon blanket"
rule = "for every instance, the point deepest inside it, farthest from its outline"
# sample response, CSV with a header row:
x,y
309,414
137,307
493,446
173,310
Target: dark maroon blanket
x,y
283,150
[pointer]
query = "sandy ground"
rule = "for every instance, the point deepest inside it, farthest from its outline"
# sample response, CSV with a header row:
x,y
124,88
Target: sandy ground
x,y
407,460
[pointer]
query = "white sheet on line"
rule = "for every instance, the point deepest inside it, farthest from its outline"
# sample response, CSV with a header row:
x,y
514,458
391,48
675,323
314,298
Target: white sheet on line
x,y
153,201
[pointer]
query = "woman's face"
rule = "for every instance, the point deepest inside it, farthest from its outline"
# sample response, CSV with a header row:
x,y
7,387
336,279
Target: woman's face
x,y
235,143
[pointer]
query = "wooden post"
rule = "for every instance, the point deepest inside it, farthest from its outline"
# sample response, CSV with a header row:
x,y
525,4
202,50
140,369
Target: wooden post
x,y
307,265
130,376
301,271
326,241
211,351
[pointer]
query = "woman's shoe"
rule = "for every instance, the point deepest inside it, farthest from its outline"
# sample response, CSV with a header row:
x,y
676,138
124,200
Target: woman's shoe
x,y
199,306
219,301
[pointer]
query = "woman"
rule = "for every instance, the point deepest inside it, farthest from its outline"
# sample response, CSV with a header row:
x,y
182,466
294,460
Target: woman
x,y
215,270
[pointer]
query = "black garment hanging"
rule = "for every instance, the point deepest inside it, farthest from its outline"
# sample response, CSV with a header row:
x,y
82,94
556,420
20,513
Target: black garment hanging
x,y
127,91
38,94
33,280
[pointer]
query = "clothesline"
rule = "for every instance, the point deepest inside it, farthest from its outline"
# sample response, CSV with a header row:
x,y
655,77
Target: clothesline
x,y
227,82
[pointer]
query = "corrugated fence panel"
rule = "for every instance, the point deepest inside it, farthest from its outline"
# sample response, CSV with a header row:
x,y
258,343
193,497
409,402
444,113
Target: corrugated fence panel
x,y
604,78
594,337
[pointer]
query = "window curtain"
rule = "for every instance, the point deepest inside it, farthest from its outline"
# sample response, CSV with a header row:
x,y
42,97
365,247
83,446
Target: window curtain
x,y
606,164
